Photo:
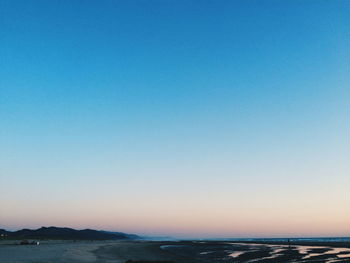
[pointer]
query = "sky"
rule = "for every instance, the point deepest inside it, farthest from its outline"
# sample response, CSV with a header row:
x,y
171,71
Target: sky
x,y
176,118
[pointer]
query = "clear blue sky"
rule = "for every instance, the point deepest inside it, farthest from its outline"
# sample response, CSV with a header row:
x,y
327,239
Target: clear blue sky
x,y
189,118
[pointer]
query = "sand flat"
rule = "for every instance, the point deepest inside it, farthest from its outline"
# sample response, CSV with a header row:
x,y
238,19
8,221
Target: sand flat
x,y
86,252
51,252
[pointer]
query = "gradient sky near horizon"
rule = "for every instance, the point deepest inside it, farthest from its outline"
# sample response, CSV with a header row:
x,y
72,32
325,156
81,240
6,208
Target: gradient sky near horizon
x,y
180,118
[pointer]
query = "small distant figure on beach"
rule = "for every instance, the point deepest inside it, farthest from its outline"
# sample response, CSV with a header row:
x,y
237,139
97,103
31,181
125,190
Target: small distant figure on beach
x,y
288,243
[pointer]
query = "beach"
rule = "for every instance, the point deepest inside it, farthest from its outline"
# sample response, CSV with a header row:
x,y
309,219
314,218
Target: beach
x,y
49,251
86,251
170,251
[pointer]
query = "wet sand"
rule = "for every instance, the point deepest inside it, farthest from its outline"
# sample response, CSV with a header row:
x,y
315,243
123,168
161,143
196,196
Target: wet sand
x,y
177,252
147,250
274,252
86,251
49,251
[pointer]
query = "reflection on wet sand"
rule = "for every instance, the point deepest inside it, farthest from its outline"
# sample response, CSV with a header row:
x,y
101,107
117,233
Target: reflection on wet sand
x,y
330,254
221,251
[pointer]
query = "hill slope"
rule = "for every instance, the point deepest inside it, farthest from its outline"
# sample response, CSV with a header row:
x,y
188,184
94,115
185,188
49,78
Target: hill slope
x,y
63,233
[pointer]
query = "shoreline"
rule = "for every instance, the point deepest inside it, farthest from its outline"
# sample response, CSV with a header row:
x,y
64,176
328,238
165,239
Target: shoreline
x,y
139,251
338,244
195,251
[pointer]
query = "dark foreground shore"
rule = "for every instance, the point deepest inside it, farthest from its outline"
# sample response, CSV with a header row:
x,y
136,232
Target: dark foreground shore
x,y
140,251
174,252
88,252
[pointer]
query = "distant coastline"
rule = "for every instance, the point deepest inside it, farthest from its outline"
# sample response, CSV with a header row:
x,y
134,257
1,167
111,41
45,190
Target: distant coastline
x,y
65,233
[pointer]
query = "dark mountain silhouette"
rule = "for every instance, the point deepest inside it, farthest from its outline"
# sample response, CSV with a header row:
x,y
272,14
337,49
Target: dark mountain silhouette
x,y
64,233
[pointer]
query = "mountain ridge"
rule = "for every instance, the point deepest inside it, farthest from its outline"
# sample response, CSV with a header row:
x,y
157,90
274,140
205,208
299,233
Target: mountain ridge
x,y
53,232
